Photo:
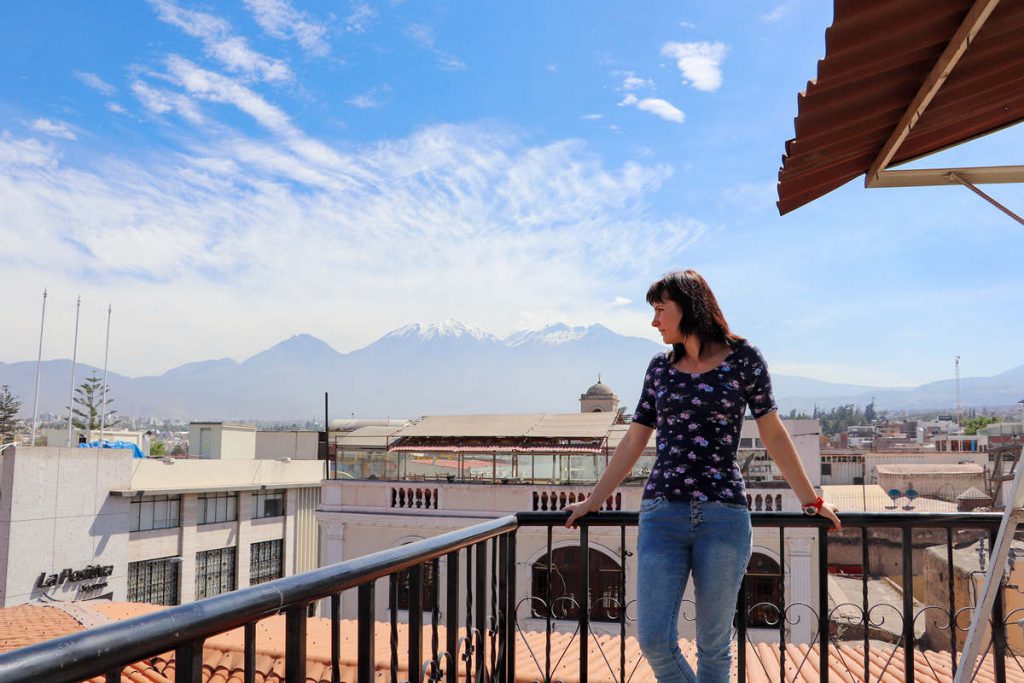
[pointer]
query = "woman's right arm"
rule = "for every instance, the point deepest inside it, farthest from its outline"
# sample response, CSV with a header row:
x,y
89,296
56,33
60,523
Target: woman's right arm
x,y
626,455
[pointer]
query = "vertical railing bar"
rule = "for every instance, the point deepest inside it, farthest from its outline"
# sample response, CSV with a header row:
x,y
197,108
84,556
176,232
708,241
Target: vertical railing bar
x,y
584,602
823,604
365,657
864,564
393,586
547,630
908,605
951,570
499,614
335,638
188,662
782,603
510,611
295,644
435,607
249,653
998,627
415,625
481,612
470,645
622,605
492,623
451,632
741,631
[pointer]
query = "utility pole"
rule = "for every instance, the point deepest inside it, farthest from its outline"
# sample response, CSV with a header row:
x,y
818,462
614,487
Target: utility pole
x,y
39,362
74,359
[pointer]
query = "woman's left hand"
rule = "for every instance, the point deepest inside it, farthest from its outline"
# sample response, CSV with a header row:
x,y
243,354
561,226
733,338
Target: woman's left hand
x,y
831,512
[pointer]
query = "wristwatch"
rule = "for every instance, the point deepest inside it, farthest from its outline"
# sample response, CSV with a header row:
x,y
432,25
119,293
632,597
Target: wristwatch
x,y
811,509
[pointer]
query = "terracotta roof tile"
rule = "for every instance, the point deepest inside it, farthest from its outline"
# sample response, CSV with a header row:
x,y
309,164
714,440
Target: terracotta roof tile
x,y
223,654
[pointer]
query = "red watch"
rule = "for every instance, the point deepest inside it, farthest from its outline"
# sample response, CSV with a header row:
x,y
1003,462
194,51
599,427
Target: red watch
x,y
812,509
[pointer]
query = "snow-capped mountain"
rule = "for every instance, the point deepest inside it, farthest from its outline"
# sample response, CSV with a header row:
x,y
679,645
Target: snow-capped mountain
x,y
446,367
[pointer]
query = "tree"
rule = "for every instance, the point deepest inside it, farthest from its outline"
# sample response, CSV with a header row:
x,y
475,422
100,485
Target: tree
x,y
9,407
90,404
157,448
869,412
972,426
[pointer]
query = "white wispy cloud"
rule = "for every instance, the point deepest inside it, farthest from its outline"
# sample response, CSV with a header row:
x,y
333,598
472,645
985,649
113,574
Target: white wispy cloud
x,y
700,63
630,81
220,43
621,301
777,14
95,82
280,20
55,129
116,108
423,36
653,105
372,98
687,24
592,117
161,101
360,18
229,225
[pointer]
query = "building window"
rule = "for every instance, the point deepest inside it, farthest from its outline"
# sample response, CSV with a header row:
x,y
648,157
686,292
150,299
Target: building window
x,y
266,561
746,442
155,512
429,588
267,504
215,572
154,581
205,442
764,591
605,581
217,507
826,469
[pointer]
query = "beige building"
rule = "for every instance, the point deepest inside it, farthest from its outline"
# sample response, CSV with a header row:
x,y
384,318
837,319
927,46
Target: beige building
x,y
449,471
942,481
222,440
85,523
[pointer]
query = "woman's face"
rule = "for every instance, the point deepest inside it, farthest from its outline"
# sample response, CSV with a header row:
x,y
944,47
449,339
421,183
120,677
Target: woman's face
x,y
667,316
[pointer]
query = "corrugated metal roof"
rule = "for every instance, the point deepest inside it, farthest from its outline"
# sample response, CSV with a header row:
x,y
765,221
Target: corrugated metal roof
x,y
878,53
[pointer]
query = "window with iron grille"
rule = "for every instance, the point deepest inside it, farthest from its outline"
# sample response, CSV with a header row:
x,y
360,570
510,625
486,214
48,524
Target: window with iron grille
x,y
215,572
429,587
154,581
555,594
764,591
155,512
217,507
266,561
268,504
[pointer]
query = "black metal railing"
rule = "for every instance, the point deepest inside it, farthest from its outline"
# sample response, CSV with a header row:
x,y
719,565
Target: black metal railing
x,y
483,614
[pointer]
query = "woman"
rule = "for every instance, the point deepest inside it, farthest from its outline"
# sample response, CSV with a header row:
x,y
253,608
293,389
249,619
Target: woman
x,y
694,517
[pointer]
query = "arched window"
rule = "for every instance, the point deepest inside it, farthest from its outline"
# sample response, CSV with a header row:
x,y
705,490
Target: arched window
x,y
764,588
605,581
429,586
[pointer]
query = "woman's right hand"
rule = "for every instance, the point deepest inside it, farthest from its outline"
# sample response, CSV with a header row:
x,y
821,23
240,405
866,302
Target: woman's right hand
x,y
577,510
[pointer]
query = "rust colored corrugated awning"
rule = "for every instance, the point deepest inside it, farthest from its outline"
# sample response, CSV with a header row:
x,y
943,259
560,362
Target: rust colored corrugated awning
x,y
902,79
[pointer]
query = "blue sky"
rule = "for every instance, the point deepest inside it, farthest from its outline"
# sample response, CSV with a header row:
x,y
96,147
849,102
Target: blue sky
x,y
229,174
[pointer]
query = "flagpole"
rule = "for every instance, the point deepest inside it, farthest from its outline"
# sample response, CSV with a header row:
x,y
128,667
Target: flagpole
x,y
39,362
106,354
74,359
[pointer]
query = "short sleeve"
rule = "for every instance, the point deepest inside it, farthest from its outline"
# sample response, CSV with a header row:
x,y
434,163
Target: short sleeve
x,y
647,407
757,384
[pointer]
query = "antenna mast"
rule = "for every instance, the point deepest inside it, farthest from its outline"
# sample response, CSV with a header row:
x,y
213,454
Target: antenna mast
x,y
957,394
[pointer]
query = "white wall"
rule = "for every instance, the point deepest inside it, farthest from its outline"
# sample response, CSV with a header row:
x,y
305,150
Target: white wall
x,y
295,445
56,514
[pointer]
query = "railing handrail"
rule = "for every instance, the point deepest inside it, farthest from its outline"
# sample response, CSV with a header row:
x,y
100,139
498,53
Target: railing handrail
x,y
73,657
942,520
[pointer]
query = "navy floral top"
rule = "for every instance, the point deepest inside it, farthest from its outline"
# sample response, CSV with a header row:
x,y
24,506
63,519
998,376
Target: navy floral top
x,y
698,417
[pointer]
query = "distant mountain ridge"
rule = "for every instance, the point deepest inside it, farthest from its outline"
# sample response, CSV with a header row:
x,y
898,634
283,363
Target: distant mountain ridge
x,y
446,367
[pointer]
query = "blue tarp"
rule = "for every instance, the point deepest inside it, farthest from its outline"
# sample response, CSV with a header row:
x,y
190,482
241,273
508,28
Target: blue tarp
x,y
126,445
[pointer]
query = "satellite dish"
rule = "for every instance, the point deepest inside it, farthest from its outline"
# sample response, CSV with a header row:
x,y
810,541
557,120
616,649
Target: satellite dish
x,y
911,494
894,493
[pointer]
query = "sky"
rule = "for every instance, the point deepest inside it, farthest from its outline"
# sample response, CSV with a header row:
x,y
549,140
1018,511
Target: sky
x,y
225,175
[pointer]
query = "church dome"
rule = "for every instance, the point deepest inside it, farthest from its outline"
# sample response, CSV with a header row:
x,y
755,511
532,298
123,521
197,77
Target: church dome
x,y
599,390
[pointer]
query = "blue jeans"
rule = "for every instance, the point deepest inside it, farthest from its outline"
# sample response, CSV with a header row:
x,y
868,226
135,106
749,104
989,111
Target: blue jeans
x,y
712,541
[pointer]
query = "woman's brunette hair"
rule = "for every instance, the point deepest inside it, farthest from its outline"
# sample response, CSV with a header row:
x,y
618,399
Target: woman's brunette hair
x,y
701,314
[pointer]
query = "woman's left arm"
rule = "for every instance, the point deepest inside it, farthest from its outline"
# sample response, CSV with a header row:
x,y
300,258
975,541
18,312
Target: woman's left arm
x,y
783,451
